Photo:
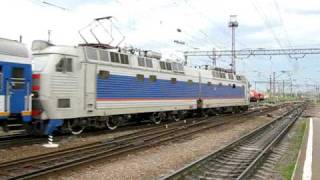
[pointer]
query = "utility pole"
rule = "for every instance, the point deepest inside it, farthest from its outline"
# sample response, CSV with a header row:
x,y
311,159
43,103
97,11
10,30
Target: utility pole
x,y
214,58
270,86
283,88
49,36
233,24
274,83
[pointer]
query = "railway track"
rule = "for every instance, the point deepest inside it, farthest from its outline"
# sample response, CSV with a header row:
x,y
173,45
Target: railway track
x,y
18,140
22,139
46,163
240,159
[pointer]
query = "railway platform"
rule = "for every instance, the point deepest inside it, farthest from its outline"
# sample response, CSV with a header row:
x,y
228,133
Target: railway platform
x,y
308,164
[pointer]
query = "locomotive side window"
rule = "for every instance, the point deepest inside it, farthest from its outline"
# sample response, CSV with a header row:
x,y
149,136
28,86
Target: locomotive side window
x,y
162,65
169,67
140,77
124,59
173,80
104,55
230,76
103,74
141,61
149,63
64,65
92,53
153,78
114,57
64,103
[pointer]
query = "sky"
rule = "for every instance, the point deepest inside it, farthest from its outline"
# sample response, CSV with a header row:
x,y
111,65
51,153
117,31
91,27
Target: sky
x,y
200,24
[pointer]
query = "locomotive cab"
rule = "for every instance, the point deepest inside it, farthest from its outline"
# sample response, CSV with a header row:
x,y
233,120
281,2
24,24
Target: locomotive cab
x,y
56,79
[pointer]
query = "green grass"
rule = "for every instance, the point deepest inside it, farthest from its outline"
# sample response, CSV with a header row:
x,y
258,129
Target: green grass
x,y
287,170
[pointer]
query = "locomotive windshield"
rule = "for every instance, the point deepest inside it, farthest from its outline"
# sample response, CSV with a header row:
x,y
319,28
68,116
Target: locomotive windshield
x,y
40,62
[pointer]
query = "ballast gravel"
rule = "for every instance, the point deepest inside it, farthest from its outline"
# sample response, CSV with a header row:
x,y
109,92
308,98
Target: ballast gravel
x,y
151,163
159,161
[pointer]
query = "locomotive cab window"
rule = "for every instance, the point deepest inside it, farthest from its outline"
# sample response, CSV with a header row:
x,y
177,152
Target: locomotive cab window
x,y
64,65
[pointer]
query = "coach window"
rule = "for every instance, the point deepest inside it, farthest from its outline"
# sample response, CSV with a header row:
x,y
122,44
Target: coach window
x,y
124,59
18,77
64,65
1,78
190,81
233,85
114,57
209,83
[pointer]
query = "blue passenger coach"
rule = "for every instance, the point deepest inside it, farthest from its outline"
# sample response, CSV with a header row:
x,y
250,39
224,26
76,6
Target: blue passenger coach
x,y
15,83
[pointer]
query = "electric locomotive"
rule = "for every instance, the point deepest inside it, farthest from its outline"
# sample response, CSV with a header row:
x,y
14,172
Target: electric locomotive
x,y
97,85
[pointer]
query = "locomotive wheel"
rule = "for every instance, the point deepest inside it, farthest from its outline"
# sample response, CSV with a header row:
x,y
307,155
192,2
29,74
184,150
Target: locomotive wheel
x,y
158,117
113,122
177,116
75,127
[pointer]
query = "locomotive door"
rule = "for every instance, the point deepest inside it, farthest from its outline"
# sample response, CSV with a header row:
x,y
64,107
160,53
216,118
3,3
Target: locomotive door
x,y
18,87
90,87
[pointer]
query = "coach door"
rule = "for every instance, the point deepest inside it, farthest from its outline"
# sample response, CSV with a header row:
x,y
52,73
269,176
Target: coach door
x,y
18,89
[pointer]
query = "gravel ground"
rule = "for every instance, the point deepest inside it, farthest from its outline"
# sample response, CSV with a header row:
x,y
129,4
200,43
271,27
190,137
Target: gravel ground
x,y
68,142
158,161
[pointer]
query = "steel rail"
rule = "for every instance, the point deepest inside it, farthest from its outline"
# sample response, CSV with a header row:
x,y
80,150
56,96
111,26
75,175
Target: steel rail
x,y
50,162
239,158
